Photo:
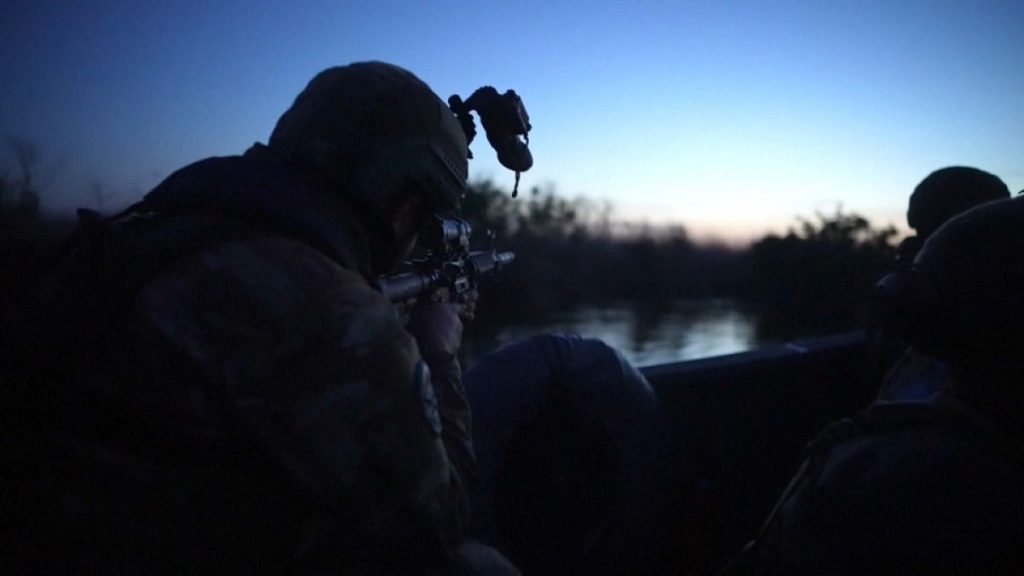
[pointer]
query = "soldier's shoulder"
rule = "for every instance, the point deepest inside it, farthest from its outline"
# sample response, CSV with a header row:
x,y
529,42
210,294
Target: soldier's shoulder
x,y
278,291
276,270
893,447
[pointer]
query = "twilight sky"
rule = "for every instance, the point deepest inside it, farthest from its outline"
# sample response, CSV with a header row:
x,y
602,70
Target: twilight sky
x,y
729,117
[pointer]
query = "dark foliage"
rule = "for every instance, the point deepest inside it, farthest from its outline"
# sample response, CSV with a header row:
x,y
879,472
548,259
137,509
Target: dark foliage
x,y
814,280
570,253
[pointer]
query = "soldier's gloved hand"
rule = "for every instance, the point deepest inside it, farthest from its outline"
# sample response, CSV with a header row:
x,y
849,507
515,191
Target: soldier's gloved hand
x,y
436,327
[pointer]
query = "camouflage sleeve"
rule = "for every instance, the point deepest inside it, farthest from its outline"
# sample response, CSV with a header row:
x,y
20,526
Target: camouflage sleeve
x,y
456,419
317,368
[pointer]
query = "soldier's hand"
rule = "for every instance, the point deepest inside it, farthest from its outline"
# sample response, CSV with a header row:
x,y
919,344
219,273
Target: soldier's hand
x,y
466,307
436,327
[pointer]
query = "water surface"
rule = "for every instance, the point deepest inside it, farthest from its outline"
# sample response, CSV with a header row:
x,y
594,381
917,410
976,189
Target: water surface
x,y
685,330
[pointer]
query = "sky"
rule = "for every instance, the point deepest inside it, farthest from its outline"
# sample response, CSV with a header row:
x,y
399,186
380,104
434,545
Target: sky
x,y
731,118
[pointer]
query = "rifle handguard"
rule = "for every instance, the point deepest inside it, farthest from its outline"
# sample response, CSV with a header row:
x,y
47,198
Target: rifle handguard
x,y
457,276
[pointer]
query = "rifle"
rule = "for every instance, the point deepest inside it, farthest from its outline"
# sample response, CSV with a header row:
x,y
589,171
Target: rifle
x,y
448,268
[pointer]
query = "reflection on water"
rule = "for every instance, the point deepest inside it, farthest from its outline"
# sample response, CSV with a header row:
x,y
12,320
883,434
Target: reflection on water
x,y
683,331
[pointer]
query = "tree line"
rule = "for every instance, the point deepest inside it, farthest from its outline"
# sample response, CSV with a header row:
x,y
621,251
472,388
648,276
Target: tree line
x,y
573,252
813,280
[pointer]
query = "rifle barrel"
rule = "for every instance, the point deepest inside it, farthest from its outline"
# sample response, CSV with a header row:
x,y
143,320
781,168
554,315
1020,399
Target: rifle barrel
x,y
402,287
483,262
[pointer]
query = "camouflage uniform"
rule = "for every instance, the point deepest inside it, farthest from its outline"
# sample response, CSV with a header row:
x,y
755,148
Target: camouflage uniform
x,y
245,400
902,488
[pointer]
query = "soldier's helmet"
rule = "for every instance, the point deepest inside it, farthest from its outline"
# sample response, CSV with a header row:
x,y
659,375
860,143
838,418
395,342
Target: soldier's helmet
x,y
949,191
964,293
372,128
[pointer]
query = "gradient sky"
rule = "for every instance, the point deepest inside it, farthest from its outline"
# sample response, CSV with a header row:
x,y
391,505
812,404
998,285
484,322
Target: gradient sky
x,y
729,117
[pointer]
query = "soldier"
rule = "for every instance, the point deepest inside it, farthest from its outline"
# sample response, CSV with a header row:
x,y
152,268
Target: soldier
x,y
216,387
906,373
926,487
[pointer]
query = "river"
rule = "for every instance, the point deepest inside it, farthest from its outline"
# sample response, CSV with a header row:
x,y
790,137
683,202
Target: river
x,y
686,330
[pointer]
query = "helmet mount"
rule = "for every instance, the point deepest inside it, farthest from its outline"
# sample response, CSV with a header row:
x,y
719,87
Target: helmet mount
x,y
506,124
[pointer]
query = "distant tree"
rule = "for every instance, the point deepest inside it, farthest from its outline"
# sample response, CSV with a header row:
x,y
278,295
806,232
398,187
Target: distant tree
x,y
542,213
489,209
840,228
26,153
98,194
4,188
814,279
570,253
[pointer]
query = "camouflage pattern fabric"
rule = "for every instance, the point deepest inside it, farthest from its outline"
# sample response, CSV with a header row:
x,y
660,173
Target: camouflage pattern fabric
x,y
902,488
316,367
253,406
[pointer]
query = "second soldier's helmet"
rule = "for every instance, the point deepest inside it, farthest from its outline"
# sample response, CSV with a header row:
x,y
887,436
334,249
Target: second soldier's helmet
x,y
962,298
373,128
949,191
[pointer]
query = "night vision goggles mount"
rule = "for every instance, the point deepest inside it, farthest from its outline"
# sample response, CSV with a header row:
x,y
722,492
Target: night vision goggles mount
x,y
506,124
